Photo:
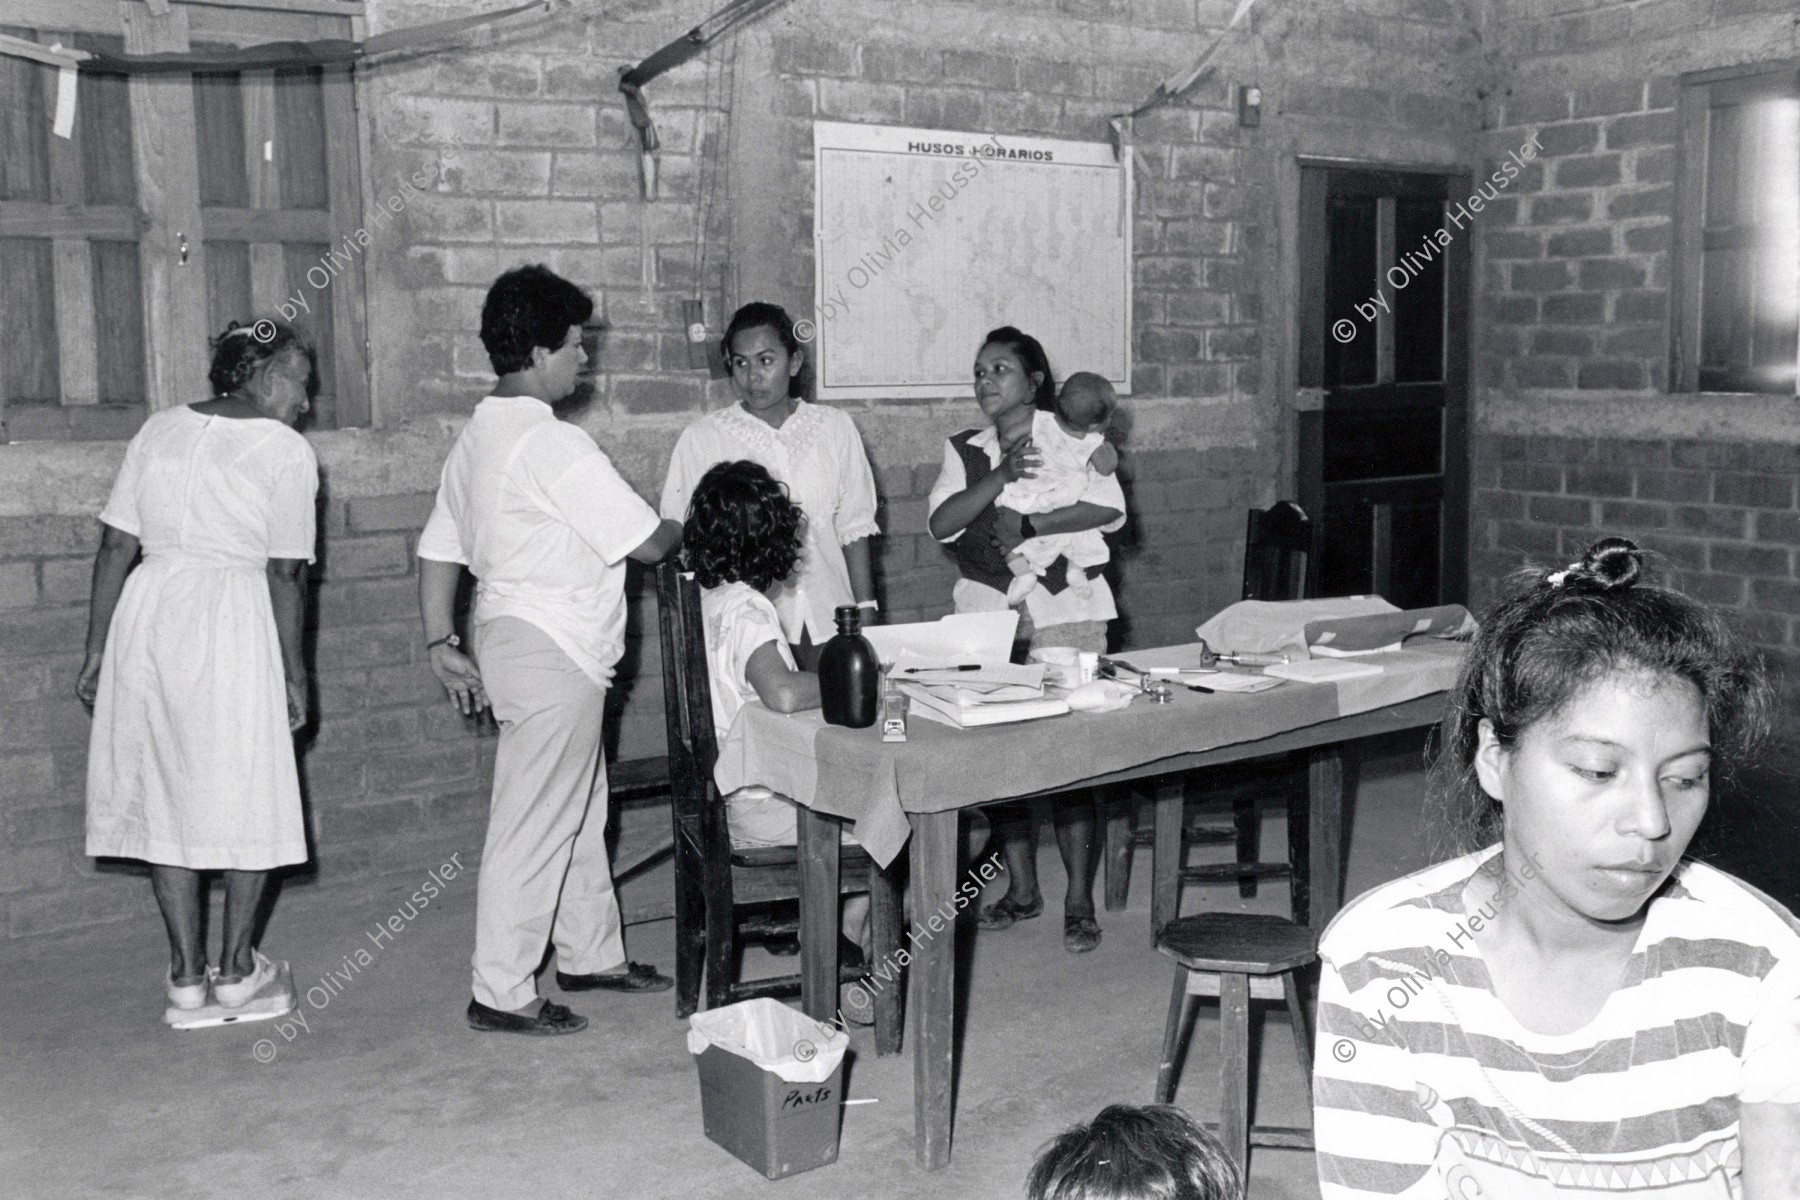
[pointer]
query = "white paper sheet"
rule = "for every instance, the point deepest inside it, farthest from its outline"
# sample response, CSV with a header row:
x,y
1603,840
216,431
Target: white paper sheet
x,y
989,675
959,638
64,124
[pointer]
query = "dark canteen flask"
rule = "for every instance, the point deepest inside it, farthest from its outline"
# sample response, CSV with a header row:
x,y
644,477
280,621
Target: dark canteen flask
x,y
849,673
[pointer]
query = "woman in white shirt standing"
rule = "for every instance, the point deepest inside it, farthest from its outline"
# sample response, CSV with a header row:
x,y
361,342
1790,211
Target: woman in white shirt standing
x,y
533,508
814,450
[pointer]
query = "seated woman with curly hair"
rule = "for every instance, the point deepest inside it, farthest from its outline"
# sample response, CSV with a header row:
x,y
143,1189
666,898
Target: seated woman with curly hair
x,y
742,539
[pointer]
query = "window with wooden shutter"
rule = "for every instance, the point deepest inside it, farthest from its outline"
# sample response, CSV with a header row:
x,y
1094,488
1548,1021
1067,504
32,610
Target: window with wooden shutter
x,y
1737,294
182,202
71,292
271,207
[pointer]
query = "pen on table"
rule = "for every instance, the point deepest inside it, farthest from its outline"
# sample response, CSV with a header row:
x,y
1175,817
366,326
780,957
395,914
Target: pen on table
x,y
927,670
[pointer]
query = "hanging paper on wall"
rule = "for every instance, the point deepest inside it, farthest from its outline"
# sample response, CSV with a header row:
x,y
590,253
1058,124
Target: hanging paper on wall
x,y
64,124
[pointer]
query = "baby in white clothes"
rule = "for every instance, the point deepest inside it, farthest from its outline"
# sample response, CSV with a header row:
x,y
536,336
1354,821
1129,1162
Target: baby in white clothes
x,y
1071,443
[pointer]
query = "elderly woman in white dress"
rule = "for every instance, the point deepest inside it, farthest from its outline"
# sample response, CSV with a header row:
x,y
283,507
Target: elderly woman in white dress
x,y
194,671
813,449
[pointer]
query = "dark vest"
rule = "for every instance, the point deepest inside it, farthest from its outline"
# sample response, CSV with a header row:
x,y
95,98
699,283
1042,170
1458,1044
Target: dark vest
x,y
978,556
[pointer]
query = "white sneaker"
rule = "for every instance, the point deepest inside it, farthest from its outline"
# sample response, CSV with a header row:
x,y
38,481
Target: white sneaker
x,y
236,995
187,996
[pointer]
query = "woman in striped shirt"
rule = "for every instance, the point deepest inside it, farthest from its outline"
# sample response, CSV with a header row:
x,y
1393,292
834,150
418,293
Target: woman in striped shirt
x,y
1572,1008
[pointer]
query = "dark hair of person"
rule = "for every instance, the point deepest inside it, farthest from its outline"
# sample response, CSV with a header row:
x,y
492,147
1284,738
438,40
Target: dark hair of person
x,y
529,307
1557,632
741,527
760,314
240,352
1032,357
1153,1152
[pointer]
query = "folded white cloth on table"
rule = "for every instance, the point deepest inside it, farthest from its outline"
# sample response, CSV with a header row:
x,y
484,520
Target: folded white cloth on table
x,y
1339,627
1278,626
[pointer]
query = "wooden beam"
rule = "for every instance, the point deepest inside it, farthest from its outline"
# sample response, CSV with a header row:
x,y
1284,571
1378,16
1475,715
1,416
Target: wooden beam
x,y
20,48
168,170
334,8
66,173
349,314
266,225
260,150
253,26
77,349
240,21
87,16
28,218
268,276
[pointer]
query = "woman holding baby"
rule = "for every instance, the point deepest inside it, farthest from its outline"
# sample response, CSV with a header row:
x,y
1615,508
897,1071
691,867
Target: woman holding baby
x,y
1023,503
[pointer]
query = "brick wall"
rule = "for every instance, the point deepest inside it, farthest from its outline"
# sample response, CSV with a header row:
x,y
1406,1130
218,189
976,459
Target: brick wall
x,y
1720,515
535,161
1577,250
1578,435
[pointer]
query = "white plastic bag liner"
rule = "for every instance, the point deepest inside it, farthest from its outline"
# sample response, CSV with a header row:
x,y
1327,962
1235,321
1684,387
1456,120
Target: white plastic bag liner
x,y
1278,626
773,1036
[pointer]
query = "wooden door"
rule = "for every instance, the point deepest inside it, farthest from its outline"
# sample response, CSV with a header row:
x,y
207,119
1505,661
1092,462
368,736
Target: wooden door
x,y
1384,334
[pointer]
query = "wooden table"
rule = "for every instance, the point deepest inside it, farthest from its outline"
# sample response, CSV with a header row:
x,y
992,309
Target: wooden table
x,y
1315,837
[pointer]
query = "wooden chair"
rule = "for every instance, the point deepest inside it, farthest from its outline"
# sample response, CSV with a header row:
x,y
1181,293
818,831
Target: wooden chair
x,y
1277,566
1225,954
713,881
1278,553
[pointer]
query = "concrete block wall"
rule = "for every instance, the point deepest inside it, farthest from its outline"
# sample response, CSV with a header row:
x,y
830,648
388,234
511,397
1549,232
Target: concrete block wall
x,y
534,161
391,775
1577,433
1719,515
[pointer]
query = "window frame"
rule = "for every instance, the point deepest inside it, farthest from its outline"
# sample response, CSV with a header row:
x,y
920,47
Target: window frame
x,y
168,210
1693,119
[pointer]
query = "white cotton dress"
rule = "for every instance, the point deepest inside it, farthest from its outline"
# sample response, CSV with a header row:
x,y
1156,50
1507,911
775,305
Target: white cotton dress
x,y
190,762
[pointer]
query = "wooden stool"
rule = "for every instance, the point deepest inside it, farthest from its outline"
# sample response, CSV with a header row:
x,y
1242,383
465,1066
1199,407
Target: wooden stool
x,y
1236,946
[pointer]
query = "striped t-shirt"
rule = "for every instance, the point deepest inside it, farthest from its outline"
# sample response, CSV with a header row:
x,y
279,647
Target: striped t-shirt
x,y
1425,1085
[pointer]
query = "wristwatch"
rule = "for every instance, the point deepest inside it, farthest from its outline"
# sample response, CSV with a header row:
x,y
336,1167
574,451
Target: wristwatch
x,y
1026,529
449,639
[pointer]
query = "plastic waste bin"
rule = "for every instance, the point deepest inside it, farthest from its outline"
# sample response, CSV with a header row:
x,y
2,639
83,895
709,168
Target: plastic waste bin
x,y
771,1084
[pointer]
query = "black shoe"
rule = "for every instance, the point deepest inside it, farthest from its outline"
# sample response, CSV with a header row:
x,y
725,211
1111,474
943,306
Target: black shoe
x,y
551,1019
1080,934
637,977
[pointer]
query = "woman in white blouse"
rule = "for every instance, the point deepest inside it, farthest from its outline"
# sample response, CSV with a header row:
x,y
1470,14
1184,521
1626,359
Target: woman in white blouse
x,y
814,450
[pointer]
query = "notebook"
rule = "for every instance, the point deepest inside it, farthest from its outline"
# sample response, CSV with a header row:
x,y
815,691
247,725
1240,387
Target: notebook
x,y
947,708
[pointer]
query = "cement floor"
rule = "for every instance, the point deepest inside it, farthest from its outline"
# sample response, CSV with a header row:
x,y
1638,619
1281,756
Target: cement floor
x,y
384,1093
